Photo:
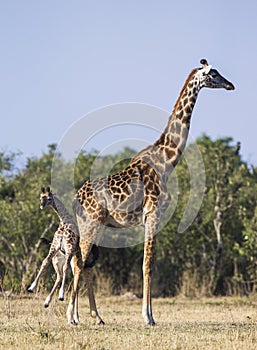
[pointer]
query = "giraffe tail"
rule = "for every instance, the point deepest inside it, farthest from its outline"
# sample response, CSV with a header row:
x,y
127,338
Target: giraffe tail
x,y
45,240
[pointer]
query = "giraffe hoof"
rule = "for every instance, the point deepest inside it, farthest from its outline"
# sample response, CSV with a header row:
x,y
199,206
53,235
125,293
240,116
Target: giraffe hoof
x,y
150,322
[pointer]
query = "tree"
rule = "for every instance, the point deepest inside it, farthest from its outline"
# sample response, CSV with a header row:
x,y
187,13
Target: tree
x,y
216,254
21,222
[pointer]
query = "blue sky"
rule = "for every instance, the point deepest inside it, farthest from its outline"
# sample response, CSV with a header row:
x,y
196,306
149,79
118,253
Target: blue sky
x,y
60,60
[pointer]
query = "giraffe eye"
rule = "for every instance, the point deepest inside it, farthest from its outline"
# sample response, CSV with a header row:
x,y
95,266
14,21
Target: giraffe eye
x,y
214,74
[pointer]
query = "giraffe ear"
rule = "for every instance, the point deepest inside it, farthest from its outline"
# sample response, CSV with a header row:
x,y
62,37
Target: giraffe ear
x,y
42,189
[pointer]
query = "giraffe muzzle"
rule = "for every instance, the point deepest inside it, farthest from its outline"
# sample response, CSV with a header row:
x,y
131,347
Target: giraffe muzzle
x,y
229,86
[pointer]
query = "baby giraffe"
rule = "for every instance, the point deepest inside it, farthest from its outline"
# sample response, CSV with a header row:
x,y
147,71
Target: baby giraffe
x,y
64,248
58,262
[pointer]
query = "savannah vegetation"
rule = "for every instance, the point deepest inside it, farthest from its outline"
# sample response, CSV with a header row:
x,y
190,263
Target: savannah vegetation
x,y
182,323
215,256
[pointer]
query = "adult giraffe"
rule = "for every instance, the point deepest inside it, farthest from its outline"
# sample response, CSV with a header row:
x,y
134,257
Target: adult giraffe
x,y
138,195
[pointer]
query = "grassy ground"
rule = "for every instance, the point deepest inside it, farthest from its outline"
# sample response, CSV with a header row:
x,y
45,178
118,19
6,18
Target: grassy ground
x,y
222,323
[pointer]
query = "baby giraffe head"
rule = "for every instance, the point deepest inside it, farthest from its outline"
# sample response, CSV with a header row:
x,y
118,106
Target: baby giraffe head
x,y
46,197
211,78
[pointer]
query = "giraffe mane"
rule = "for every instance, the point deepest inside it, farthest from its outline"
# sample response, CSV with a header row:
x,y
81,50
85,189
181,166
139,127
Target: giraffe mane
x,y
184,87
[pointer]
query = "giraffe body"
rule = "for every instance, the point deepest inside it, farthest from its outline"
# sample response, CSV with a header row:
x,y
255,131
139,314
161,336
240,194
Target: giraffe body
x,y
138,195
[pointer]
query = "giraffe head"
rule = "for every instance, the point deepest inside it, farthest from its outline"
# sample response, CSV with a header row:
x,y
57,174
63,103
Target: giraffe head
x,y
46,197
211,78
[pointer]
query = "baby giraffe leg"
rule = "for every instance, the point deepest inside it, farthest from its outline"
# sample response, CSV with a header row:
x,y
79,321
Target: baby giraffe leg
x,y
44,265
65,270
72,311
58,263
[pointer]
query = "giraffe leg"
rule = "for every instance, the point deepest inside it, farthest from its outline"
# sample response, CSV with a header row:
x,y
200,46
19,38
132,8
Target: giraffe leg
x,y
44,265
90,231
86,247
76,303
72,311
65,270
149,245
91,296
58,262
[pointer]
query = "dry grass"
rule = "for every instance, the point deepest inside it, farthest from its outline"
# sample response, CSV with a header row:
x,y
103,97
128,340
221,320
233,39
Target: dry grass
x,y
223,323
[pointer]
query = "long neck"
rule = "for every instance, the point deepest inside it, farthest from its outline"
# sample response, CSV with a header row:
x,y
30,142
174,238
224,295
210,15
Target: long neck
x,y
64,215
167,150
165,153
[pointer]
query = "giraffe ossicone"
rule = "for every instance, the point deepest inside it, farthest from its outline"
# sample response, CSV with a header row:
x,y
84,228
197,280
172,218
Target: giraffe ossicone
x,y
206,69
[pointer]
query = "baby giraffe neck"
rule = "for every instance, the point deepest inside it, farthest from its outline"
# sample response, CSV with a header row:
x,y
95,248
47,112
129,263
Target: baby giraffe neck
x,y
62,212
